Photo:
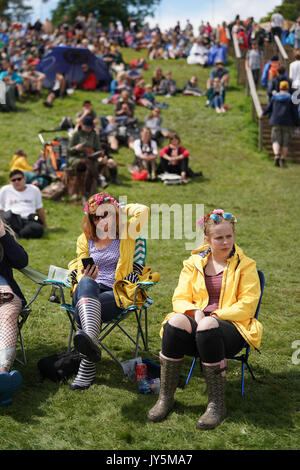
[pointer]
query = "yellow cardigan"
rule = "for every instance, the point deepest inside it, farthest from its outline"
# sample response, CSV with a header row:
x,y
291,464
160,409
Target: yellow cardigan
x,y
138,214
240,292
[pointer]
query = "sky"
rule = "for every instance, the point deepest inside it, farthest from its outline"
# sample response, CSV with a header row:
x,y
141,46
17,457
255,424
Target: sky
x,y
171,11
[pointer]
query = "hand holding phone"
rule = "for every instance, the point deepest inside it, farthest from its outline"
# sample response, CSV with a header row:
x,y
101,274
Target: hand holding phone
x,y
89,268
87,262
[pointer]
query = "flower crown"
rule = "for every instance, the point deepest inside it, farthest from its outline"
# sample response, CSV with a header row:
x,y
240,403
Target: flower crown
x,y
215,215
97,200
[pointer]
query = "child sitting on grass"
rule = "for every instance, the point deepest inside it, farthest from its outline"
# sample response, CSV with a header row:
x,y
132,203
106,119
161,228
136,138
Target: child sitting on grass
x,y
216,96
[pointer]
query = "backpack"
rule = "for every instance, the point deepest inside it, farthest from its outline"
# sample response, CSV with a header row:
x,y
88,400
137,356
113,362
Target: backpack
x,y
273,70
59,367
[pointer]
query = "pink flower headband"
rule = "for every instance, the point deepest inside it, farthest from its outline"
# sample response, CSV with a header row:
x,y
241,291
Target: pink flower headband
x,y
215,216
97,200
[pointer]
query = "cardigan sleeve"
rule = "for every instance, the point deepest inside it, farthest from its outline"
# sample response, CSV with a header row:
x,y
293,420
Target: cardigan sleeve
x,y
14,253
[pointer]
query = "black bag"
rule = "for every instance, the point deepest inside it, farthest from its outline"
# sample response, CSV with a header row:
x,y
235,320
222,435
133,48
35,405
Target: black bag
x,y
59,367
13,220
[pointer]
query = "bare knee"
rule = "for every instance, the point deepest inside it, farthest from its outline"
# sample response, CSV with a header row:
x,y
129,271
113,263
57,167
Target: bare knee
x,y
207,323
180,321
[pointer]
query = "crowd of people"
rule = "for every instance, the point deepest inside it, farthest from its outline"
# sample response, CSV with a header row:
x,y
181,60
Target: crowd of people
x,y
200,325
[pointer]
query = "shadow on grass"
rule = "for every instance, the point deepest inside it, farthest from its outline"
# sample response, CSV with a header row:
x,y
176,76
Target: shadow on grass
x,y
264,404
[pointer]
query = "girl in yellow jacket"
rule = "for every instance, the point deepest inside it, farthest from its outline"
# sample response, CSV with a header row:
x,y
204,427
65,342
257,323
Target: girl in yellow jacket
x,y
110,241
214,306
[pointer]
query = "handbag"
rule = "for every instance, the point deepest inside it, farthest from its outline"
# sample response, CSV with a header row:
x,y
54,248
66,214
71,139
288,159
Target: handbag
x,y
59,367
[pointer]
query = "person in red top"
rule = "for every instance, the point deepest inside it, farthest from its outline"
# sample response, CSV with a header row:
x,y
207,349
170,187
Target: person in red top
x,y
242,41
174,158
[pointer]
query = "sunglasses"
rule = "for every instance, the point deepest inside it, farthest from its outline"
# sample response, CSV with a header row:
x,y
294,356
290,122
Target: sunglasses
x,y
17,179
225,215
96,217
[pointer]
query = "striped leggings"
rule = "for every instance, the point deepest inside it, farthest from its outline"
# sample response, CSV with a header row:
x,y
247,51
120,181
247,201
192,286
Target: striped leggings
x,y
93,304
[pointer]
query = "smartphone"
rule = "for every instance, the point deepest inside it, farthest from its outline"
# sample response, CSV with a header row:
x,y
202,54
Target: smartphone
x,y
87,261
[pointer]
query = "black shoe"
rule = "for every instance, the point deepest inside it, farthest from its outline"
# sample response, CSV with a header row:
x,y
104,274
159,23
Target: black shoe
x,y
86,346
117,181
277,159
79,388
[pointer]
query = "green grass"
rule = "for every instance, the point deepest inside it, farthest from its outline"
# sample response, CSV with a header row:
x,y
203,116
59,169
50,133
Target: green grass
x,y
111,414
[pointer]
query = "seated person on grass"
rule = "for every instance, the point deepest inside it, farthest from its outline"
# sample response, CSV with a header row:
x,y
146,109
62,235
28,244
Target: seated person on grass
x,y
145,150
58,89
191,87
216,96
221,72
174,158
21,206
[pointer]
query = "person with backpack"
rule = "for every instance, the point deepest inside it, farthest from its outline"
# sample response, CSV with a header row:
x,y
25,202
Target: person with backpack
x,y
283,117
270,71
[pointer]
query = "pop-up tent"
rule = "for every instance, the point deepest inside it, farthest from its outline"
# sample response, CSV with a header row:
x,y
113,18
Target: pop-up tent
x,y
68,61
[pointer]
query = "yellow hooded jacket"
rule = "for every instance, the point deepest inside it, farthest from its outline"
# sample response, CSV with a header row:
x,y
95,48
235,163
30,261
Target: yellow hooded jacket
x,y
239,296
138,215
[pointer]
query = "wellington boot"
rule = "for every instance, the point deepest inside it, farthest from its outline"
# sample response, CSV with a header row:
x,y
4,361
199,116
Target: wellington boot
x,y
216,409
169,377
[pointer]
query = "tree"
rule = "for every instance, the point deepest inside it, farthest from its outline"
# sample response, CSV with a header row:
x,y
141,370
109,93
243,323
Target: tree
x,y
290,10
3,6
15,9
105,10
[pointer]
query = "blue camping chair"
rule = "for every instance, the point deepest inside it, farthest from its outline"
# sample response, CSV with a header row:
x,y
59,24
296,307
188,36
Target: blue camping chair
x,y
243,358
60,280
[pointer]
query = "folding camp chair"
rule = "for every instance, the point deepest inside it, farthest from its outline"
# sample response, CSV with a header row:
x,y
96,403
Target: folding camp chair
x,y
141,314
243,358
57,279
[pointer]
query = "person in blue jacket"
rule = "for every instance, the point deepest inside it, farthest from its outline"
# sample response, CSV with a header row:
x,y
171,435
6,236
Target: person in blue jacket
x,y
284,116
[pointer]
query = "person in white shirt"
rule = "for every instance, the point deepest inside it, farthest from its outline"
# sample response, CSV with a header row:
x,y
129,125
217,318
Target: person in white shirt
x,y
294,72
277,24
198,54
145,150
21,207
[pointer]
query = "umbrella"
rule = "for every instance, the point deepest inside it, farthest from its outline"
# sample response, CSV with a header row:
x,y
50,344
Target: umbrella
x,y
68,61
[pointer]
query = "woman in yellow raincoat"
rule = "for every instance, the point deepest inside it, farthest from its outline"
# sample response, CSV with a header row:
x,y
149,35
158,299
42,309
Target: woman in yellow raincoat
x,y
213,314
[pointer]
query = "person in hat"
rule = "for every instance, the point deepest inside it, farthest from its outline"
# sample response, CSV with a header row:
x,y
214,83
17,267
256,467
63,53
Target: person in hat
x,y
87,110
221,72
83,144
283,117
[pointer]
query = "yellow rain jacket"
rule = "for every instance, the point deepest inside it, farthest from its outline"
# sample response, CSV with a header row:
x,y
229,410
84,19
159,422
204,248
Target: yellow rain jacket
x,y
239,296
138,215
19,162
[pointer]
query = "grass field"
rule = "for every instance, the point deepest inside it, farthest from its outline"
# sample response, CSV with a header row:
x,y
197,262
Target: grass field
x,y
111,414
